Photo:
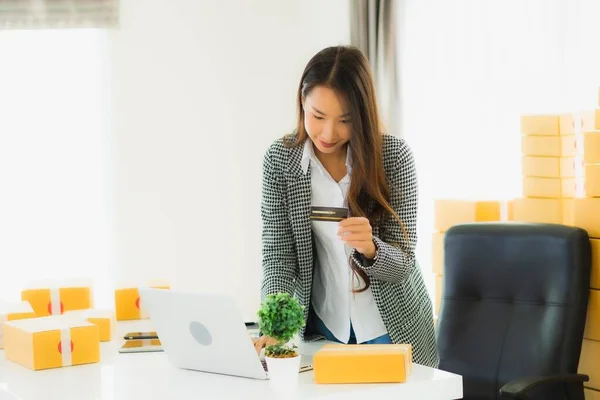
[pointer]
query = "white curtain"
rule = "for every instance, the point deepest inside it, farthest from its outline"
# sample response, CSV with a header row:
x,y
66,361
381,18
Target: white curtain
x,y
469,68
56,202
36,14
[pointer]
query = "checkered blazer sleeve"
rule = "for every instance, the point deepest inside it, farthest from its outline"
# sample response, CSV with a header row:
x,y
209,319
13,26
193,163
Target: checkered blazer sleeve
x,y
279,261
396,253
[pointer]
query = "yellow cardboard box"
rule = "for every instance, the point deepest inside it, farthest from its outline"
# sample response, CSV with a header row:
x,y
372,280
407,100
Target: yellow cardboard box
x,y
449,212
56,300
549,167
592,324
13,311
51,342
590,120
103,318
595,277
127,302
588,362
587,215
549,146
570,123
553,188
549,211
591,147
592,180
591,394
547,125
348,363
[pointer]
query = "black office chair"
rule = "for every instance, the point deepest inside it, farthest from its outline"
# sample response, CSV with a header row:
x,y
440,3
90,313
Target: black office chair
x,y
514,305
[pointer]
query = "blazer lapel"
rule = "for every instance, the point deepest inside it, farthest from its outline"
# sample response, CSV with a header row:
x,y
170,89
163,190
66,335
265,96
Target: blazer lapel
x,y
299,197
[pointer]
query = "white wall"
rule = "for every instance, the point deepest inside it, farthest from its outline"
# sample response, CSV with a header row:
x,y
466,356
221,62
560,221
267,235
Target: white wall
x,y
200,89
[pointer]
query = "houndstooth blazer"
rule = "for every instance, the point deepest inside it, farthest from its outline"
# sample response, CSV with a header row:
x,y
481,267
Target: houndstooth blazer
x,y
396,279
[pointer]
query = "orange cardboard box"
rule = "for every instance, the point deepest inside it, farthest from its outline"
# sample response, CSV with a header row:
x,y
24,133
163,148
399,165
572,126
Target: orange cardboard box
x,y
592,324
103,318
553,188
591,147
590,120
437,252
570,123
51,342
588,362
13,311
56,300
127,302
549,146
591,394
592,180
547,125
548,211
587,215
595,277
549,167
347,363
449,212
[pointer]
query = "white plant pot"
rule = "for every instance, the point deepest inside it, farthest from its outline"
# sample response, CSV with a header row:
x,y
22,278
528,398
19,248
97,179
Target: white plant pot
x,y
283,372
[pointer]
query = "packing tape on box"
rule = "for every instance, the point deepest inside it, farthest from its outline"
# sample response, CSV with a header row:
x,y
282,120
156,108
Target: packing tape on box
x,y
146,342
55,301
65,347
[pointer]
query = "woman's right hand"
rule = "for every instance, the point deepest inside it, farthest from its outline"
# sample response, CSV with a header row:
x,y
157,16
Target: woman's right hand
x,y
263,341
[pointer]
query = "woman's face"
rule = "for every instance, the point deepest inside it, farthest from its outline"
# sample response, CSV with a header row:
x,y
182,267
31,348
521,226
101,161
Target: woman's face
x,y
327,120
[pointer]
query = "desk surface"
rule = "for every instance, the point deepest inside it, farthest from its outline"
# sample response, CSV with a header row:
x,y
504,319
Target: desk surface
x,y
150,376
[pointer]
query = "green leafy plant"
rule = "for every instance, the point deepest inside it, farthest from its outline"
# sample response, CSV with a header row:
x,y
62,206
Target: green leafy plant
x,y
280,317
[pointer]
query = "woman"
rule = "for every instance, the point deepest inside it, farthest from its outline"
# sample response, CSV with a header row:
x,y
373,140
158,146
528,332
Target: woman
x,y
358,279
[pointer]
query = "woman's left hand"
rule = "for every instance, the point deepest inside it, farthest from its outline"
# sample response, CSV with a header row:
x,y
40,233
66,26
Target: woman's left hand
x,y
357,233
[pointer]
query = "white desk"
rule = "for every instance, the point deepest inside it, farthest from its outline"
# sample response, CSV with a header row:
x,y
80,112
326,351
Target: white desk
x,y
150,376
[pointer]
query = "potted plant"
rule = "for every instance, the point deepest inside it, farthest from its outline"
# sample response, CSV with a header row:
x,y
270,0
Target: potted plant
x,y
281,317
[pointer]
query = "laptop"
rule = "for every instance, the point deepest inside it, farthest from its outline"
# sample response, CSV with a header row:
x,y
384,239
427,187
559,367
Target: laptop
x,y
205,332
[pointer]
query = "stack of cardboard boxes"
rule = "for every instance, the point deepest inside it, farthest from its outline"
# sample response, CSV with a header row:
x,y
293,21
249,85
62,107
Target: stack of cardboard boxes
x,y
587,216
551,176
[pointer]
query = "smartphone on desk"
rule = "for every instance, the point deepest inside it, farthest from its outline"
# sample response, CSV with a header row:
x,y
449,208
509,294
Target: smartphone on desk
x,y
141,346
140,335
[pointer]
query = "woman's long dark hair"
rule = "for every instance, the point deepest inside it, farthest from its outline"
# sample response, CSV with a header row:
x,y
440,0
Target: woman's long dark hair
x,y
345,70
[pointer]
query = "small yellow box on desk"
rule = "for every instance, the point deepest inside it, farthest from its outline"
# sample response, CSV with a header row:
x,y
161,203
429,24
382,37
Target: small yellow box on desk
x,y
453,212
437,252
587,215
104,320
592,180
540,124
127,303
356,363
591,147
57,300
553,188
13,311
51,342
570,123
549,146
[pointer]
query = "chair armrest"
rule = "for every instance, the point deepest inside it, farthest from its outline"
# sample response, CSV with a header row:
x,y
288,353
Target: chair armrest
x,y
517,388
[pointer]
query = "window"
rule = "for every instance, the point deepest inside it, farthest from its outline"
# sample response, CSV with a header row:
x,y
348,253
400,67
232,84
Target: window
x,y
55,207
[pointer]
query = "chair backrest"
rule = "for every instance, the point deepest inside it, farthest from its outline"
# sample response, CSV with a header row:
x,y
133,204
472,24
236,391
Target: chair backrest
x,y
514,302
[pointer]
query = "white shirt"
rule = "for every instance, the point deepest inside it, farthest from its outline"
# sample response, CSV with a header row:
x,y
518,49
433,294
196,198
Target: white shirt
x,y
332,297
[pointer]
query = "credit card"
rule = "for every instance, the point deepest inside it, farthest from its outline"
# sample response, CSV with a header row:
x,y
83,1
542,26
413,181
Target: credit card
x,y
329,214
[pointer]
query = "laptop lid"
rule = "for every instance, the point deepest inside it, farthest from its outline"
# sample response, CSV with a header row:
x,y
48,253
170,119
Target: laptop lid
x,y
202,332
